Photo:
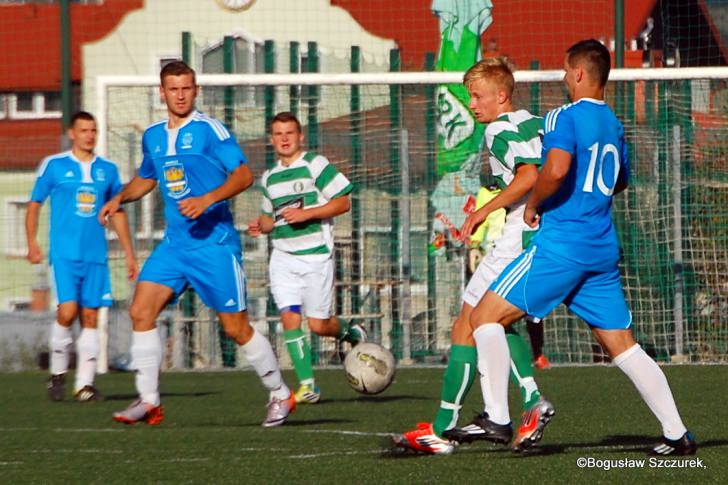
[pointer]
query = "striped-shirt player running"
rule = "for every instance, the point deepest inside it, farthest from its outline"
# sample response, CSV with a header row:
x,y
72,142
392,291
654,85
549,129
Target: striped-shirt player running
x,y
302,194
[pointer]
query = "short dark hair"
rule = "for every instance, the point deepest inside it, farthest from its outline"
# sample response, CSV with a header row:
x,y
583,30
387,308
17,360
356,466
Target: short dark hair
x,y
595,57
177,68
81,115
286,117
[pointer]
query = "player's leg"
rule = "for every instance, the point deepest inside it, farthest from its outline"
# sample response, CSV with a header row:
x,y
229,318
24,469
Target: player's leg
x,y
67,285
160,281
216,274
259,353
318,294
146,352
299,350
522,368
95,293
535,327
434,438
533,282
600,301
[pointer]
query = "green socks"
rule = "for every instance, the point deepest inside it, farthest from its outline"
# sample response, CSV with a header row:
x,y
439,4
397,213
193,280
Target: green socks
x,y
300,352
522,369
459,377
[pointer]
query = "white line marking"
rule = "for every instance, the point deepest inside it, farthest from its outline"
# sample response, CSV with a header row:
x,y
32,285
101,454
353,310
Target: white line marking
x,y
332,453
341,431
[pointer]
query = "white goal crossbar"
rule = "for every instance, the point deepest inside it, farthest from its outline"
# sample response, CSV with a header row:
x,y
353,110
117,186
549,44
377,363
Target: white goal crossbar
x,y
377,78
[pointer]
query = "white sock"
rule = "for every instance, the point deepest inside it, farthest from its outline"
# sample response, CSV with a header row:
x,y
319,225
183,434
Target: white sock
x,y
146,354
652,385
59,341
87,352
494,364
259,354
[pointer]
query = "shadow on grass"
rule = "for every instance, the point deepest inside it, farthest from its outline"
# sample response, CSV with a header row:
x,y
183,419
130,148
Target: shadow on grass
x,y
131,397
382,399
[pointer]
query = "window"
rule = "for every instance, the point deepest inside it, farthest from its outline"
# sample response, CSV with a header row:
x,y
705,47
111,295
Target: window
x,y
32,105
15,244
3,106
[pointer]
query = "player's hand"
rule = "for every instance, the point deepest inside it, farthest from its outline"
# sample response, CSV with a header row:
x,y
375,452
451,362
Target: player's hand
x,y
531,216
109,209
254,228
293,215
194,207
35,254
471,224
132,268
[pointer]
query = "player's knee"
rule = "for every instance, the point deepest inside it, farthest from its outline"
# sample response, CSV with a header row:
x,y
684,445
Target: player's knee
x,y
66,316
238,329
142,317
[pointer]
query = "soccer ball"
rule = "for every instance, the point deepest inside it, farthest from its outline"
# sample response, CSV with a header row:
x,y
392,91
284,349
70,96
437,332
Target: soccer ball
x,y
369,368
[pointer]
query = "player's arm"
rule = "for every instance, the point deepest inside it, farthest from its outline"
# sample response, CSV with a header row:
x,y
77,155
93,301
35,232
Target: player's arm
x,y
552,175
137,188
120,222
332,208
238,180
32,214
522,183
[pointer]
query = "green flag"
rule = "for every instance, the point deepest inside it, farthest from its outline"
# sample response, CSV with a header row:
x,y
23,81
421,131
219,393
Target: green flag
x,y
462,22
459,137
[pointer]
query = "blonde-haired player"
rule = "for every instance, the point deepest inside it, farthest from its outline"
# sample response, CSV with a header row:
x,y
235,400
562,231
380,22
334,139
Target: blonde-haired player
x,y
513,138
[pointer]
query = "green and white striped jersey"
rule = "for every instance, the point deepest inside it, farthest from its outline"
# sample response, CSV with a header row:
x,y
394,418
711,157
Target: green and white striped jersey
x,y
310,181
512,139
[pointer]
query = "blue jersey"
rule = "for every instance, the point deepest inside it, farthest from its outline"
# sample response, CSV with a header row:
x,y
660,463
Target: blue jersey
x,y
576,221
190,161
77,191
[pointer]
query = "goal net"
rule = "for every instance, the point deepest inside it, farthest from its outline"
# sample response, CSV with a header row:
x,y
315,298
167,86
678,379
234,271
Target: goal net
x,y
397,272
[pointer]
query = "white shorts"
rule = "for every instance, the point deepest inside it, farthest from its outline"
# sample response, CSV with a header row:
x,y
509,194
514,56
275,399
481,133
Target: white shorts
x,y
296,281
486,272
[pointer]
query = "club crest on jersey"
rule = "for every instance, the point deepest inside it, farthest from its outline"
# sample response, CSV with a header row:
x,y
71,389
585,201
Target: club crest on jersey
x,y
187,141
86,197
100,175
175,179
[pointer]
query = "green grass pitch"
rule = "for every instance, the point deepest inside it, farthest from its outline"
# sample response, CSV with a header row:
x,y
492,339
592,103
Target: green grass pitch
x,y
212,434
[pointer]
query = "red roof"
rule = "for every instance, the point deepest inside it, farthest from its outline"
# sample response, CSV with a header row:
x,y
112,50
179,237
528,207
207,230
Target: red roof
x,y
30,58
524,29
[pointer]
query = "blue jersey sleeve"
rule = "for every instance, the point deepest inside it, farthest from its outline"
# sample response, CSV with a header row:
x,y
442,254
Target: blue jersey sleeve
x,y
114,184
146,170
228,152
559,132
43,184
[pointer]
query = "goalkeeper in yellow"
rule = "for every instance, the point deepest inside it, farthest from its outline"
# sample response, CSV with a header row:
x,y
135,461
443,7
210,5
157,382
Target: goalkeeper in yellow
x,y
513,138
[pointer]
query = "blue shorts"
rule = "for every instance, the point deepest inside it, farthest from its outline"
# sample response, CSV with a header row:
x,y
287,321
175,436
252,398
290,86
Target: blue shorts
x,y
88,284
214,271
536,282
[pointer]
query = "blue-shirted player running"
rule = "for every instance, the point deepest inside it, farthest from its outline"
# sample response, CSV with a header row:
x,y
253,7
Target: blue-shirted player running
x,y
574,257
198,166
78,183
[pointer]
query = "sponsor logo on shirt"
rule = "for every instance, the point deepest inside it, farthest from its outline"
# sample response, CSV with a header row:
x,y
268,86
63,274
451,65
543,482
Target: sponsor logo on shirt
x,y
69,173
175,179
86,197
296,203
